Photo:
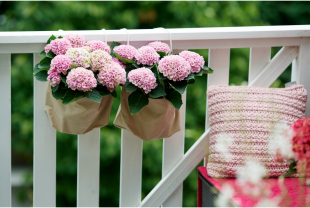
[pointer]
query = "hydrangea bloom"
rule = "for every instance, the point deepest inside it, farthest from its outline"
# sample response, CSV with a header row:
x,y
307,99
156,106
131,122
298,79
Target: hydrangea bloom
x,y
79,57
81,79
112,75
160,46
99,59
174,67
195,60
77,41
87,48
97,44
53,76
60,46
147,55
126,51
143,78
47,48
61,63
119,62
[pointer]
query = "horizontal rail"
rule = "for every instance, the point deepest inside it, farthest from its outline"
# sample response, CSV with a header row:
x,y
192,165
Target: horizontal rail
x,y
177,34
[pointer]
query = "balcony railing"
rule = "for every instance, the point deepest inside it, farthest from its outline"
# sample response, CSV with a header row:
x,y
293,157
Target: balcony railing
x,y
295,41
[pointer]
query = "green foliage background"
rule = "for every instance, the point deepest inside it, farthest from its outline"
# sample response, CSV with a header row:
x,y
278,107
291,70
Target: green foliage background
x,y
52,16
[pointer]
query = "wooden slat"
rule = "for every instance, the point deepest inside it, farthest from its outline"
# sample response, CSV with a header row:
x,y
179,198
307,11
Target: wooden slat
x,y
88,169
177,175
131,170
173,151
259,58
44,158
301,68
5,130
275,67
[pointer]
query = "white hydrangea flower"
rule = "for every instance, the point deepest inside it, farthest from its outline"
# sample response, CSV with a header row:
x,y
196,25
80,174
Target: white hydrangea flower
x,y
251,172
224,197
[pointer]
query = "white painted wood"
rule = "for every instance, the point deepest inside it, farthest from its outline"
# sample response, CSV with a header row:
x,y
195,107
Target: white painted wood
x,y
177,175
301,68
173,151
44,158
275,67
5,130
259,58
131,170
88,169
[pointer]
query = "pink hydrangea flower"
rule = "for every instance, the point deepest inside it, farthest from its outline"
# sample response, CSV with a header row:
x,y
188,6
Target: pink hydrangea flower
x,y
81,79
53,76
195,60
99,59
79,57
87,48
97,44
47,48
147,55
126,51
160,46
143,78
60,46
119,62
77,41
112,75
174,67
61,63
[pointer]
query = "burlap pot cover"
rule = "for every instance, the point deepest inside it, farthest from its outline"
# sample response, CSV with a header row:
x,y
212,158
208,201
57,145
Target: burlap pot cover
x,y
157,120
78,117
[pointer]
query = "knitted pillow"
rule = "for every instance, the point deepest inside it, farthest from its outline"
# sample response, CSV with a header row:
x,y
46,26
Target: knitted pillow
x,y
244,119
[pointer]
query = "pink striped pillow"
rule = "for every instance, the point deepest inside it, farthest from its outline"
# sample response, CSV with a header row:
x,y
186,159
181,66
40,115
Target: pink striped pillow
x,y
247,115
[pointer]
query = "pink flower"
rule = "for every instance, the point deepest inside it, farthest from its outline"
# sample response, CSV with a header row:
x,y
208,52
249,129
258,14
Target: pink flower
x,y
81,79
99,59
174,67
97,44
87,48
53,76
61,63
126,51
160,46
119,62
143,78
112,75
77,41
47,48
79,57
195,60
60,46
147,55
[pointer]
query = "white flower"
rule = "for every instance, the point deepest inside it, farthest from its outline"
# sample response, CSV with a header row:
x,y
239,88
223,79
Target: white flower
x,y
224,197
251,172
265,202
223,142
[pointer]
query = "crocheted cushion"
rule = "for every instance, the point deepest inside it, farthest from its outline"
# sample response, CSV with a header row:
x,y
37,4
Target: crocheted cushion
x,y
248,116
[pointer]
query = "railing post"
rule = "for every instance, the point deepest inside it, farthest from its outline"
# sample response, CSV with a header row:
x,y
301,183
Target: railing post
x,y
5,130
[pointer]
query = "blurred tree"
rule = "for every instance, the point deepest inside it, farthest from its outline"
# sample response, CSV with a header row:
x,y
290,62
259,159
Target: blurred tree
x,y
52,16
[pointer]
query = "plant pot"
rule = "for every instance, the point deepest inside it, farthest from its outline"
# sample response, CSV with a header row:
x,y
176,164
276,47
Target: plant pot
x,y
157,120
78,117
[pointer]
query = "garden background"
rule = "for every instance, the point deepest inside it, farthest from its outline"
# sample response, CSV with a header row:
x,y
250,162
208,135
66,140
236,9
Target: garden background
x,y
52,16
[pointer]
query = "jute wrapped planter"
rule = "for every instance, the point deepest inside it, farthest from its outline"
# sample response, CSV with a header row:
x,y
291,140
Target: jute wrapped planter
x,y
157,120
78,117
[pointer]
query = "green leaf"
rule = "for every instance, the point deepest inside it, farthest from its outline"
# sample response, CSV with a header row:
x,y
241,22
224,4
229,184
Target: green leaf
x,y
60,37
179,86
155,72
54,89
161,76
36,69
190,76
126,83
200,73
113,45
207,70
42,53
50,39
125,61
131,88
159,91
50,54
72,96
45,63
191,81
41,76
114,94
290,172
103,90
175,99
136,101
93,95
60,92
161,54
63,78
135,65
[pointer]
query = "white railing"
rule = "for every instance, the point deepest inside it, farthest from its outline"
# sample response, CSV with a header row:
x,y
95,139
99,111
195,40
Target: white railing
x,y
176,165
